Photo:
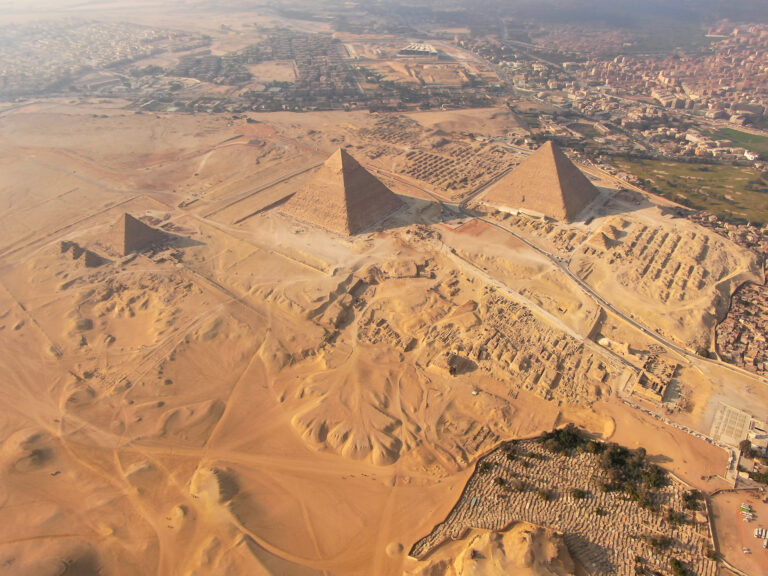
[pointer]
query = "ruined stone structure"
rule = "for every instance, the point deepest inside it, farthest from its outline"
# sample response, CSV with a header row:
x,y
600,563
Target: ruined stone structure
x,y
81,255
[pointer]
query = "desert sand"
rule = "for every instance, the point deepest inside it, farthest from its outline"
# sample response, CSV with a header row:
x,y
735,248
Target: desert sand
x,y
253,394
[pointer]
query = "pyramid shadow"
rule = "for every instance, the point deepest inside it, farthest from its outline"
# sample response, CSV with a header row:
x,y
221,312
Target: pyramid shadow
x,y
179,241
677,211
97,261
659,459
605,205
417,211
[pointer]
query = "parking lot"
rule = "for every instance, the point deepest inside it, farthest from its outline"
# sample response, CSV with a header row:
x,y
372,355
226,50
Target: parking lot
x,y
734,534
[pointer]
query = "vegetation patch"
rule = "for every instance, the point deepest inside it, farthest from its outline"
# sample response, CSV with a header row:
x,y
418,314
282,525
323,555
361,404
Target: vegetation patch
x,y
753,142
628,470
730,192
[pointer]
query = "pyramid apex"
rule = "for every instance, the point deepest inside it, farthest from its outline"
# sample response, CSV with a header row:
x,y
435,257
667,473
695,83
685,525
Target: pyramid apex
x,y
549,147
132,235
341,160
129,218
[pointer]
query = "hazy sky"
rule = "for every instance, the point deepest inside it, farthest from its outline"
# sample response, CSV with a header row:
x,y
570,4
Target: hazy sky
x,y
621,12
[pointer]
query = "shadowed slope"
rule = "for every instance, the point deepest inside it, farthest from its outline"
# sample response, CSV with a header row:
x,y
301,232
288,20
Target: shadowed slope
x,y
130,234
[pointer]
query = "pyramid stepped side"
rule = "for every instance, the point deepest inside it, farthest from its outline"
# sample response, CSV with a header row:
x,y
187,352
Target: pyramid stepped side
x,y
132,235
321,202
546,182
342,197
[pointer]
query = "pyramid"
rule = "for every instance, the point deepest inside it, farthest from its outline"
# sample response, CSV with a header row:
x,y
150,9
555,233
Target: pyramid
x,y
547,183
611,231
600,241
130,234
342,197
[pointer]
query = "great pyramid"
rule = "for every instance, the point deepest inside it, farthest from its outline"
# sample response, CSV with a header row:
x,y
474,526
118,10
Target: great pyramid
x,y
130,234
547,183
342,197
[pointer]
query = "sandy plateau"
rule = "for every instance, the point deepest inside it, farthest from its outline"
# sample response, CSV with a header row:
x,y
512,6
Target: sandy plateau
x,y
260,396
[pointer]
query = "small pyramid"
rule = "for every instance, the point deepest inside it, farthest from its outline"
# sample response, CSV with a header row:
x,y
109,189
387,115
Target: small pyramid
x,y
611,231
342,197
600,241
547,183
130,234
